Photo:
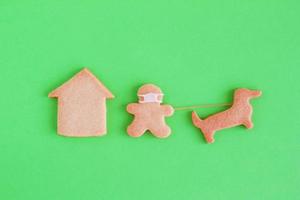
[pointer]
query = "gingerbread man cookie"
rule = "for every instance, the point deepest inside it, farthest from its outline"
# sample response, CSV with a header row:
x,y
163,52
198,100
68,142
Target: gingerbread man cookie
x,y
149,114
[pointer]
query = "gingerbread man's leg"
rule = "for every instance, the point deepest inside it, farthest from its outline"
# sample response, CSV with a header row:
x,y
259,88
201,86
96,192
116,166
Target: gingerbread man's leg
x,y
136,129
160,131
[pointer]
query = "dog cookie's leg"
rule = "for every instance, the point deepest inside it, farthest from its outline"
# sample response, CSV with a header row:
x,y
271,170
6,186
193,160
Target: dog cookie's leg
x,y
248,124
209,136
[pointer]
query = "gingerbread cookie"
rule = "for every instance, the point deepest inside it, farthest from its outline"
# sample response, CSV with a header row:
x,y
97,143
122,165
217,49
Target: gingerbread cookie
x,y
240,113
149,114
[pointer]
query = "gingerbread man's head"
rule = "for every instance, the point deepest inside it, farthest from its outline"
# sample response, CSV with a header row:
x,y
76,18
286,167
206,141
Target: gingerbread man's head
x,y
150,93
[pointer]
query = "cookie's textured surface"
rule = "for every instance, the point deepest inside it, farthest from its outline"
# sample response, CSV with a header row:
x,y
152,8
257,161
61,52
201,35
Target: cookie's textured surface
x,y
239,114
149,114
82,106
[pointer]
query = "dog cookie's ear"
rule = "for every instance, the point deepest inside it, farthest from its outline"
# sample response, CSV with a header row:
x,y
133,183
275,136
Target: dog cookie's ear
x,y
149,114
240,113
81,106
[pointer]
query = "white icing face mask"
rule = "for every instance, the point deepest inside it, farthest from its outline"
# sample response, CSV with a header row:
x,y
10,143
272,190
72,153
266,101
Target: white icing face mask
x,y
151,98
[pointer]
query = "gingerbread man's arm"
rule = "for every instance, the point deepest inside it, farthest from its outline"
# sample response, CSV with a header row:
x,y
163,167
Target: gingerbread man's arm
x,y
167,110
133,108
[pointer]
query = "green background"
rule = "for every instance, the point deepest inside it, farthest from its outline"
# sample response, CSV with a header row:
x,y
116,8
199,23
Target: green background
x,y
197,52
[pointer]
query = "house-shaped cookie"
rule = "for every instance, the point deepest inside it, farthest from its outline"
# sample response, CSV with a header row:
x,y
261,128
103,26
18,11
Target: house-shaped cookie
x,y
82,106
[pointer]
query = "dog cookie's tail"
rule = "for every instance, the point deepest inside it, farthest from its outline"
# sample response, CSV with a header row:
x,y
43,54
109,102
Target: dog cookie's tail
x,y
197,121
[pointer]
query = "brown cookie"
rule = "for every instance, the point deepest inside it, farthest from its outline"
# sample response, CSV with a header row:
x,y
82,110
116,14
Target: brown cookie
x,y
149,114
82,106
239,114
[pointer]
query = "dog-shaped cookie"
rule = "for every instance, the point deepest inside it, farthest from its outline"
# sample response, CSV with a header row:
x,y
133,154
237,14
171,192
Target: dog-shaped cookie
x,y
239,114
149,114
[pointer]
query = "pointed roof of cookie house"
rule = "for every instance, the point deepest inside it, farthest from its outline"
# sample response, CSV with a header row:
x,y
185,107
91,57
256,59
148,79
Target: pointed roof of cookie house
x,y
86,73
